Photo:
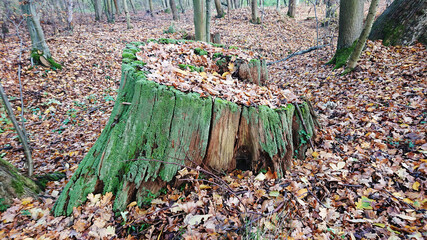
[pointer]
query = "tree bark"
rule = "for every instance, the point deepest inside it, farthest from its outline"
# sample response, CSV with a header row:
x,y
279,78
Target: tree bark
x,y
255,13
208,20
125,6
278,5
98,13
153,121
21,132
292,8
219,10
175,14
350,22
354,57
199,20
109,11
70,8
38,41
14,185
404,22
150,3
182,6
132,4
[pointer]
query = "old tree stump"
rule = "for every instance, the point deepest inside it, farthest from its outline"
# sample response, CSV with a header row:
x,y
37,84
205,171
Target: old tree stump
x,y
188,103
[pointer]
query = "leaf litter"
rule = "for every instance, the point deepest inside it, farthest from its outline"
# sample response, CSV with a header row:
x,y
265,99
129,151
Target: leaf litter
x,y
365,179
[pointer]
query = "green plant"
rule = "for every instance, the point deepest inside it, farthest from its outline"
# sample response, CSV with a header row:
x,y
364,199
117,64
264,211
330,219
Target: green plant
x,y
200,51
148,198
3,206
170,30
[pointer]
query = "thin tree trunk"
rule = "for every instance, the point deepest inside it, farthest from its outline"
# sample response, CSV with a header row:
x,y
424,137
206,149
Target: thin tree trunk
x,y
208,20
219,10
70,8
255,14
38,41
125,5
132,4
174,11
116,4
150,3
97,6
21,134
278,5
354,57
292,8
199,20
182,6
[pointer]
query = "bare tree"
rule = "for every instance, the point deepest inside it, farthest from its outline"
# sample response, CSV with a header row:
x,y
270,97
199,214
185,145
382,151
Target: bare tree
x,y
174,11
70,9
354,57
34,28
219,10
125,6
98,13
200,19
255,13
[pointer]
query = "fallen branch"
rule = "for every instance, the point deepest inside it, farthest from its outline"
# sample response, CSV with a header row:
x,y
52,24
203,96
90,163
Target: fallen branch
x,y
298,53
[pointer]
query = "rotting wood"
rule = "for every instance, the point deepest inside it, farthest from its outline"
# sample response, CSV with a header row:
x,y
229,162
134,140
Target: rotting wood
x,y
171,126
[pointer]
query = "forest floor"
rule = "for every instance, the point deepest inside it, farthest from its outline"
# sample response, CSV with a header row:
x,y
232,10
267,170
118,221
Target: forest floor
x,y
366,177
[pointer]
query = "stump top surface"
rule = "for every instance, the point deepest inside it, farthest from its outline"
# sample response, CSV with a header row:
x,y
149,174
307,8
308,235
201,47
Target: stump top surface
x,y
209,70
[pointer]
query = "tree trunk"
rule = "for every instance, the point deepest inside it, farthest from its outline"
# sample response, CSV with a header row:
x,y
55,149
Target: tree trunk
x,y
116,4
255,14
15,185
199,20
132,4
109,11
70,8
208,20
125,6
292,8
219,10
354,57
404,22
153,121
350,22
150,3
38,41
175,14
182,6
278,5
97,6
350,27
330,11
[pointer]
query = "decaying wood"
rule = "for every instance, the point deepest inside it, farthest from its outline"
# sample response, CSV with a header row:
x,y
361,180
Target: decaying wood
x,y
171,126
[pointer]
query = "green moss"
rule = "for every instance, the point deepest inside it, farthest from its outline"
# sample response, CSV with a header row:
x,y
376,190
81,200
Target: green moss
x,y
256,61
218,45
128,55
18,186
170,30
392,33
36,54
217,55
233,47
221,62
341,56
200,51
192,68
3,206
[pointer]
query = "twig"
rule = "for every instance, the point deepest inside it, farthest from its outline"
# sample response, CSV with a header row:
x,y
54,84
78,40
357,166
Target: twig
x,y
298,53
400,200
27,150
303,124
317,199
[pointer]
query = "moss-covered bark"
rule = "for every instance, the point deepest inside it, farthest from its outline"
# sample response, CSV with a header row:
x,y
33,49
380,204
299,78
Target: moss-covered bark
x,y
152,121
403,23
15,185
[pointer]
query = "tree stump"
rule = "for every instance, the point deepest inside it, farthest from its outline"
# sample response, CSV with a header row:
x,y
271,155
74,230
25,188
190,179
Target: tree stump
x,y
183,114
15,185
